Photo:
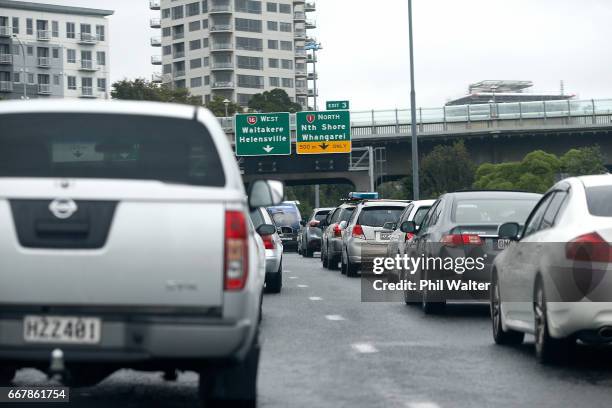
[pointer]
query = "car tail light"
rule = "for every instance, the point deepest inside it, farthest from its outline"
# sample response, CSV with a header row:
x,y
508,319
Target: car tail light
x,y
589,247
358,232
236,251
337,230
453,240
314,223
409,236
268,241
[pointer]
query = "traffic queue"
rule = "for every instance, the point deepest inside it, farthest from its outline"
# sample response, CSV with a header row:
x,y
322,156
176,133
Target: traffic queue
x,y
545,257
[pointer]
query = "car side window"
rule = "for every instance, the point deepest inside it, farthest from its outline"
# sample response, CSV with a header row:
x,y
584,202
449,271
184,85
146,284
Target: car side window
x,y
406,214
334,216
553,209
427,219
436,214
535,219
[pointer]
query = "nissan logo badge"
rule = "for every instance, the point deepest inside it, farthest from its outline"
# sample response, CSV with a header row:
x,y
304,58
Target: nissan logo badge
x,y
63,208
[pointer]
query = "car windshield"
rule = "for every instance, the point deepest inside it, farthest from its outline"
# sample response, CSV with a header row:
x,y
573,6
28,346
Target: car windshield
x,y
496,211
109,147
285,216
379,216
599,200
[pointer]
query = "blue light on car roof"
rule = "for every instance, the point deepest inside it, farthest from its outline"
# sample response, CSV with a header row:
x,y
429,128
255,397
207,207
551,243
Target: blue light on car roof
x,y
363,196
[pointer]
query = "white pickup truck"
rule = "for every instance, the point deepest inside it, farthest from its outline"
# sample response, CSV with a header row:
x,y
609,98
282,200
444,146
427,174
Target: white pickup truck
x,y
126,243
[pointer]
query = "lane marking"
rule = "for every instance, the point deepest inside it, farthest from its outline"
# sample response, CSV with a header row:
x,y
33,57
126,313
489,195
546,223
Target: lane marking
x,y
302,286
365,348
293,277
334,317
422,405
315,298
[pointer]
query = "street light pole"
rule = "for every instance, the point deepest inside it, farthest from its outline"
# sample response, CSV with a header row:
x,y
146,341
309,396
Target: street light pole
x,y
23,53
415,144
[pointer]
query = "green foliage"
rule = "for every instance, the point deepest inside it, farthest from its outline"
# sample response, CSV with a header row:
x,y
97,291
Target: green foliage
x,y
142,90
445,169
329,194
539,170
275,100
217,107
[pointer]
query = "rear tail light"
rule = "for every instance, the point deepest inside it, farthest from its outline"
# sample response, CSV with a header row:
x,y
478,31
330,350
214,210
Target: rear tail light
x,y
589,247
409,236
337,230
314,223
453,240
268,241
236,251
358,232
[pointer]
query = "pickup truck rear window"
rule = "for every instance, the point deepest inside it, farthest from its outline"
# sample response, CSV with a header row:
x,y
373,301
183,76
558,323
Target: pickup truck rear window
x,y
108,146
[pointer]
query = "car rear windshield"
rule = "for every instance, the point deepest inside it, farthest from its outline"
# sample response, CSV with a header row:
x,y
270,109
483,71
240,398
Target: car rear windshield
x,y
321,215
108,146
285,216
599,200
379,216
496,211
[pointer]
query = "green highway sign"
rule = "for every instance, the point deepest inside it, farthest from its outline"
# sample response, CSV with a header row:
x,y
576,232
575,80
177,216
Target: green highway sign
x,y
338,105
323,132
263,134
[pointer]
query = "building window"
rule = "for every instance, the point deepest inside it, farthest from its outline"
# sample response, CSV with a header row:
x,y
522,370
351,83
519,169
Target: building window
x,y
244,99
101,57
206,61
272,7
286,45
31,79
195,63
56,80
273,62
167,50
165,13
244,62
16,77
194,25
249,44
207,80
248,6
193,9
177,12
287,83
195,44
250,81
102,84
71,81
272,26
166,32
205,43
101,33
286,27
195,82
273,44
71,56
29,26
15,25
245,24
55,53
87,86
167,69
55,29
274,81
284,8
70,30
204,24
29,51
204,6
287,64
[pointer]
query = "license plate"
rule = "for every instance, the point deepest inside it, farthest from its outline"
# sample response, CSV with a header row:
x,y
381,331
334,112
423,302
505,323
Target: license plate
x,y
503,244
385,236
62,329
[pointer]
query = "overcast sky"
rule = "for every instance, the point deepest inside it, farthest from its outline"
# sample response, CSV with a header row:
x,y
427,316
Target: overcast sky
x,y
365,57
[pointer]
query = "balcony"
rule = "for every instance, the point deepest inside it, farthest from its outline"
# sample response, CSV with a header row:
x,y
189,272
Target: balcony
x,y
220,28
6,86
311,93
155,23
222,47
299,16
43,35
178,36
6,59
87,92
312,76
178,54
301,91
310,7
88,65
88,39
156,60
300,34
220,9
222,66
156,78
222,85
311,60
5,31
179,73
299,1
155,4
43,62
300,53
300,73
156,42
44,89
311,24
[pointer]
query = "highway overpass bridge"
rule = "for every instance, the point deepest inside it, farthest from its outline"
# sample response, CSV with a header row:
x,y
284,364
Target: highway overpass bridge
x,y
493,133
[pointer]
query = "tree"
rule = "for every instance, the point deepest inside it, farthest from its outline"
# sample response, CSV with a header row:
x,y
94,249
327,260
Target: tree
x,y
446,169
330,195
586,160
217,107
142,90
275,100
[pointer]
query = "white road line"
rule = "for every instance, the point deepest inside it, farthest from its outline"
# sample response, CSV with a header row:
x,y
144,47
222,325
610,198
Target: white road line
x,y
334,317
302,286
422,405
365,348
293,277
286,271
315,298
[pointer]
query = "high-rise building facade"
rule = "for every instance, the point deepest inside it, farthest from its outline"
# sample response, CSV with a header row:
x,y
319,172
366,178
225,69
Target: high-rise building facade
x,y
233,48
52,51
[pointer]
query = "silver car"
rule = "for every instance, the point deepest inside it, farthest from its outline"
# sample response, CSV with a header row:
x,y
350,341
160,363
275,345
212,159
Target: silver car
x,y
274,249
554,279
364,235
309,237
126,243
331,241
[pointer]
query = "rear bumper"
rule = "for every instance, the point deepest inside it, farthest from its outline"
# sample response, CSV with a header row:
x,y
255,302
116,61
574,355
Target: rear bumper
x,y
358,250
569,318
273,260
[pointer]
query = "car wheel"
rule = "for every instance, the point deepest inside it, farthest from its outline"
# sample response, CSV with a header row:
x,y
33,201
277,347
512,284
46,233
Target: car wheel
x,y
430,307
332,263
233,386
7,374
324,259
500,335
275,283
548,349
342,264
309,253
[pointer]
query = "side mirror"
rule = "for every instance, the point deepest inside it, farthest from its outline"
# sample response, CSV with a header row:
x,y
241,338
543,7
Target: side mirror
x,y
303,223
342,225
266,229
509,230
390,226
314,223
266,193
408,227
